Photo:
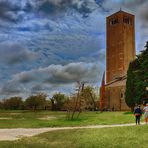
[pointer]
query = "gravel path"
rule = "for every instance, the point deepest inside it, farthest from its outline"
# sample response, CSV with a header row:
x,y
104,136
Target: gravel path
x,y
17,133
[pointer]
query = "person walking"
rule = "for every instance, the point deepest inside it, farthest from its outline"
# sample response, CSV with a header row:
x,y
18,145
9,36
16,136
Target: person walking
x,y
146,113
137,113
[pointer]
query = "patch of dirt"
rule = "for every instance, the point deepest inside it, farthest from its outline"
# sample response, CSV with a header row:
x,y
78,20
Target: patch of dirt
x,y
14,113
5,114
18,133
48,118
5,118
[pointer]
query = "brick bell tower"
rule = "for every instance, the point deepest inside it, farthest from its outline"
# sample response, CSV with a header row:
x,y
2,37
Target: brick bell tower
x,y
120,50
120,44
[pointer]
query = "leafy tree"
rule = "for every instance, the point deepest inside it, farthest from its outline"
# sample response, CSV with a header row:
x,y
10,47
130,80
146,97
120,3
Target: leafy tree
x,y
13,103
1,105
77,102
90,97
142,76
130,86
35,102
58,101
137,80
84,99
47,105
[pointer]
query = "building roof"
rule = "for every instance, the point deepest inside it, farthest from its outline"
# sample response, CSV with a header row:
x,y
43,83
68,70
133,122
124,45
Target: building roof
x,y
119,81
120,11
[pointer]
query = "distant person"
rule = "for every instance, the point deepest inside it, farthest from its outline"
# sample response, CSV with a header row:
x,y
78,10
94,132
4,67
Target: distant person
x,y
137,113
146,113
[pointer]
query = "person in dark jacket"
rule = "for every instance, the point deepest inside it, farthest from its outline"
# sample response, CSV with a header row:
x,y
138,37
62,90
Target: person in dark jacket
x,y
137,113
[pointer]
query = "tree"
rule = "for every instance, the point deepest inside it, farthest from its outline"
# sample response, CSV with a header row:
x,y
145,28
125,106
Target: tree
x,y
142,75
82,100
13,103
90,97
75,105
35,102
130,86
58,101
137,80
47,105
1,105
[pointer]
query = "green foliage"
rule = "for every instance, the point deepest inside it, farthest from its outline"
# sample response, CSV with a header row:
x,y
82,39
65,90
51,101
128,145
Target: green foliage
x,y
12,103
58,101
84,99
89,97
130,86
35,102
137,80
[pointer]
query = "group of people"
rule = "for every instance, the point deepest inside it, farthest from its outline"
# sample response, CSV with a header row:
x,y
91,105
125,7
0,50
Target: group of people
x,y
138,114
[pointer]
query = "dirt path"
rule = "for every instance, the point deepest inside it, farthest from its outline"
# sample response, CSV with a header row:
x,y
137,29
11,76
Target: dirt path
x,y
17,133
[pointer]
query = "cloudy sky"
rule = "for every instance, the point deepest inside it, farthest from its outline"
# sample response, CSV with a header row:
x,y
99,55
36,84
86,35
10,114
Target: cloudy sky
x,y
49,45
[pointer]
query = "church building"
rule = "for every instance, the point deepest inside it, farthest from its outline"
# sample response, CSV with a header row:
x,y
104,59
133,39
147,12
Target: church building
x,y
120,50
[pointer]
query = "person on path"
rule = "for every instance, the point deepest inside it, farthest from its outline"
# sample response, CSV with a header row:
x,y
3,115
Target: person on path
x,y
146,113
137,113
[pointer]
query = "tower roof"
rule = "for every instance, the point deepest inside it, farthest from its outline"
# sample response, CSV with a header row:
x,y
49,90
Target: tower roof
x,y
120,12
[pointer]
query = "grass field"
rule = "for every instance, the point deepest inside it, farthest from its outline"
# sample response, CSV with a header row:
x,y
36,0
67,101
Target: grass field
x,y
118,137
28,119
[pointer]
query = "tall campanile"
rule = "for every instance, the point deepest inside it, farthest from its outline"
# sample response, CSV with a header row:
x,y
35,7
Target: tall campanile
x,y
120,44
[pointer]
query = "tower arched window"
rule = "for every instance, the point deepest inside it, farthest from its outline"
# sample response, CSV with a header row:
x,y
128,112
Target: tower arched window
x,y
122,94
113,21
127,20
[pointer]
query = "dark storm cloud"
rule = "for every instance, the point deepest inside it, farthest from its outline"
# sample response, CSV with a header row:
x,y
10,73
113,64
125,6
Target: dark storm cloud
x,y
58,74
143,13
9,11
13,53
15,10
143,25
37,88
54,6
11,88
139,8
133,3
51,6
51,78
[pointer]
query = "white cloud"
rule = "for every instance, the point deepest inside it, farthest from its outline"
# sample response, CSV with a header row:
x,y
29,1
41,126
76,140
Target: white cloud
x,y
59,74
51,78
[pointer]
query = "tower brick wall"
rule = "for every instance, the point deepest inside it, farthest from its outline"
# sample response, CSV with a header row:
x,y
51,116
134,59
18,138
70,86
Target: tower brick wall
x,y
120,50
120,43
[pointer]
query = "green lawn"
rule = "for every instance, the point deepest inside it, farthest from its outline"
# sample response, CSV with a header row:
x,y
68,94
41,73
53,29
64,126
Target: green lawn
x,y
118,137
28,119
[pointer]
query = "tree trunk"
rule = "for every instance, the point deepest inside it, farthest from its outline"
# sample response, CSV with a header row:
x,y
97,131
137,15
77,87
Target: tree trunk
x,y
52,105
